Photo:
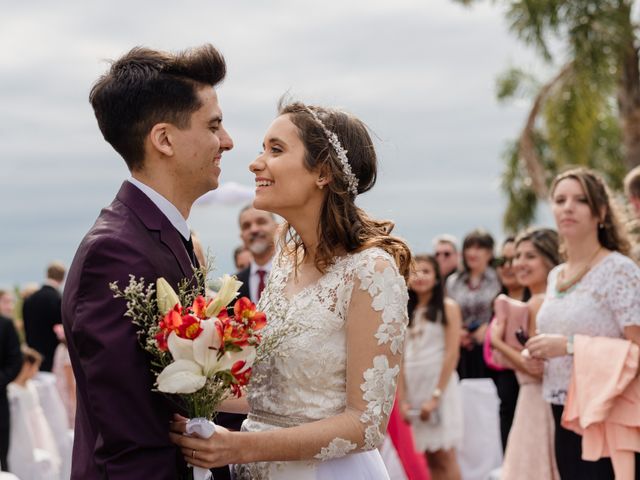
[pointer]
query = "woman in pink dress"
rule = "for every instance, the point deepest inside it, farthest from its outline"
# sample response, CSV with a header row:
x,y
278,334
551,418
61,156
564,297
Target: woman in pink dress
x,y
65,381
529,452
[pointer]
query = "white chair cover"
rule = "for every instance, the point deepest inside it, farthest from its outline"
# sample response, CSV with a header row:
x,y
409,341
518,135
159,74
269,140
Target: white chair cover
x,y
32,451
481,450
56,415
8,476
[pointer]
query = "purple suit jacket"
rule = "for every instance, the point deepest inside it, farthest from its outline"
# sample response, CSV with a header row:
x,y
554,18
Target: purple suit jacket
x,y
122,427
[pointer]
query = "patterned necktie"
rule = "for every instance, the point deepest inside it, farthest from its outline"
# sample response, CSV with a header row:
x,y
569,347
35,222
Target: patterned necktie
x,y
261,274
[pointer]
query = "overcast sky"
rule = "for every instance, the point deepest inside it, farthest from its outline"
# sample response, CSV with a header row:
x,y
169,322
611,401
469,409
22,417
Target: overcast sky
x,y
420,73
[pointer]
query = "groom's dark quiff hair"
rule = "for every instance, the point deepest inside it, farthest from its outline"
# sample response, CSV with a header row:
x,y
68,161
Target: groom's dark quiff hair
x,y
146,87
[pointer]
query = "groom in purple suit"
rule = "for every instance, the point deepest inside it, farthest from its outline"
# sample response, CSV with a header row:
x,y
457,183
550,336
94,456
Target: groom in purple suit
x,y
160,112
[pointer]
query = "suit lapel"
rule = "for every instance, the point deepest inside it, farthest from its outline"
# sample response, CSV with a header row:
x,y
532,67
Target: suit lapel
x,y
155,220
171,238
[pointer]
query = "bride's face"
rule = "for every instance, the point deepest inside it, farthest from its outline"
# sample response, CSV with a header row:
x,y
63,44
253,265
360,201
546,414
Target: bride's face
x,y
283,183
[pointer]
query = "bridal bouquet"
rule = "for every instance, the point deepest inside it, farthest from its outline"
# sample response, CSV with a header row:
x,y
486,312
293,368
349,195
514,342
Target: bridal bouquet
x,y
201,348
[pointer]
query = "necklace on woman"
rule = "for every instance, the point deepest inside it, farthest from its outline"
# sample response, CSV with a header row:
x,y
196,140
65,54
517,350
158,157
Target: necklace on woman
x,y
563,285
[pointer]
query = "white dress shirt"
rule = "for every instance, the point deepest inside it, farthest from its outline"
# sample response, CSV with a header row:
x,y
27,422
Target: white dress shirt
x,y
166,207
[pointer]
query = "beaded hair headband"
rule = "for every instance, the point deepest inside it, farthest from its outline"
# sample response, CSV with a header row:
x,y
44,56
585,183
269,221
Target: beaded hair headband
x,y
352,180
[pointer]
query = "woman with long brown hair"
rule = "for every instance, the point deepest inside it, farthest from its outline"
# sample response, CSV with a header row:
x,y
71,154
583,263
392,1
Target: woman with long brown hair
x,y
431,398
595,293
318,407
529,450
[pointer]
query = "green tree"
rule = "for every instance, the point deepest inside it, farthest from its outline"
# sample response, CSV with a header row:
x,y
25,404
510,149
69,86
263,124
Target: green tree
x,y
588,113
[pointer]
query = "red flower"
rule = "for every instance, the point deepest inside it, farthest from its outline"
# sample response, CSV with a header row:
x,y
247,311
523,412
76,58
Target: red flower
x,y
245,312
161,341
241,377
189,328
231,331
172,320
199,306
179,321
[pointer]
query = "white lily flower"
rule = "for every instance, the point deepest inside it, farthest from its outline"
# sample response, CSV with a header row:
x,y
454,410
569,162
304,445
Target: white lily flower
x,y
206,346
181,376
180,348
248,354
166,296
228,291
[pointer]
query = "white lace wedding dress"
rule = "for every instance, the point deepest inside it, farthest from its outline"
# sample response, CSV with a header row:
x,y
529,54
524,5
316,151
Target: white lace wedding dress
x,y
336,374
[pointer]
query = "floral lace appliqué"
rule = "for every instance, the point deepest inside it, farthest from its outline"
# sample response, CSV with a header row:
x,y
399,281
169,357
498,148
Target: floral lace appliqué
x,y
389,293
379,391
338,447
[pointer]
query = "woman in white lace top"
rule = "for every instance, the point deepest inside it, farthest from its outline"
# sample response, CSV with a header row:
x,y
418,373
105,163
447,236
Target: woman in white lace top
x,y
318,406
596,292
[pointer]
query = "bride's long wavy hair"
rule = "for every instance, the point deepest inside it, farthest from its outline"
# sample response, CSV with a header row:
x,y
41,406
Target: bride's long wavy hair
x,y
342,223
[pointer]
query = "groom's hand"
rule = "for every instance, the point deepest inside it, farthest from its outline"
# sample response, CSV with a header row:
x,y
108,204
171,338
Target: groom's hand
x,y
178,424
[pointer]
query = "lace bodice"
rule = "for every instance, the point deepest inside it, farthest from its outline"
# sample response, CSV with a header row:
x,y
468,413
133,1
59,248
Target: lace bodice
x,y
606,300
339,365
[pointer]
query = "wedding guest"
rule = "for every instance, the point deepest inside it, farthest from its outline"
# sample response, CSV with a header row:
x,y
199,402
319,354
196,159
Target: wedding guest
x,y
505,380
41,311
28,289
594,293
632,189
198,249
257,231
529,452
10,365
431,399
65,381
446,252
32,430
474,289
7,303
242,257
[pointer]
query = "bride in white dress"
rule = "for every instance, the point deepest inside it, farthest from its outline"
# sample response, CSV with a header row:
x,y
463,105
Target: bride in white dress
x,y
319,406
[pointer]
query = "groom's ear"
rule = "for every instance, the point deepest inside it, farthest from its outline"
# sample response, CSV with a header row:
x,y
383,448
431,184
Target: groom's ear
x,y
160,138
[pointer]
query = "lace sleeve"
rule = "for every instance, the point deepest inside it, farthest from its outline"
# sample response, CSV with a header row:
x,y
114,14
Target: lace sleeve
x,y
624,300
376,324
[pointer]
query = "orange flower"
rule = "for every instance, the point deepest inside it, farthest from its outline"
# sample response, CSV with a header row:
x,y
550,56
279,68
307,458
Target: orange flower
x,y
240,376
189,328
172,320
246,313
178,320
199,306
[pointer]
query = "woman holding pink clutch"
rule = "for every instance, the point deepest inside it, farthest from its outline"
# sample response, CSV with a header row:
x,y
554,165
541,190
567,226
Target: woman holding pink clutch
x,y
529,453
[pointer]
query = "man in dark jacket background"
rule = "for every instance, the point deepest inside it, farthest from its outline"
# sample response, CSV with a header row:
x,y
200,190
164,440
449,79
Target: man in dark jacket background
x,y
41,311
10,365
